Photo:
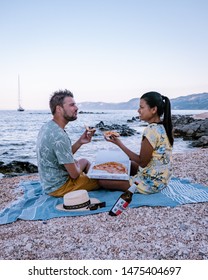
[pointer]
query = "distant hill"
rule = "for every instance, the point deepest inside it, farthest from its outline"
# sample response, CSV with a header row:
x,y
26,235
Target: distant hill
x,y
190,102
129,105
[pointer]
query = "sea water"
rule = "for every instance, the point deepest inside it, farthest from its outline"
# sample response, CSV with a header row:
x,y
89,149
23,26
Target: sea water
x,y
19,130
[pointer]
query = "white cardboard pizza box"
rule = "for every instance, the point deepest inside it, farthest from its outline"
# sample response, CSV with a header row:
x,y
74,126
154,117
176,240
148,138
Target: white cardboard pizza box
x,y
106,156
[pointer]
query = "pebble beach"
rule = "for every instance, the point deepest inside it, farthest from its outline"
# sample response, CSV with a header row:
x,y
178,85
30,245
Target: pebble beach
x,y
148,233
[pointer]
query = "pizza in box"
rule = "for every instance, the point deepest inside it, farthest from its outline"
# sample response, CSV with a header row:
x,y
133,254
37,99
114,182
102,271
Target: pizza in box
x,y
111,167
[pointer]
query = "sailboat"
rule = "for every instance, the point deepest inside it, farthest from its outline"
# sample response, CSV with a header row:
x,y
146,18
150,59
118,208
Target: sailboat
x,y
20,108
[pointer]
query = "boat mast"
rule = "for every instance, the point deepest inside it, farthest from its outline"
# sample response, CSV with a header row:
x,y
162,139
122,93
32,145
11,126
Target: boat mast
x,y
19,92
19,105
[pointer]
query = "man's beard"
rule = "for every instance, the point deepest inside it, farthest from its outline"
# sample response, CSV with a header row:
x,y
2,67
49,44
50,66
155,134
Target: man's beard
x,y
69,118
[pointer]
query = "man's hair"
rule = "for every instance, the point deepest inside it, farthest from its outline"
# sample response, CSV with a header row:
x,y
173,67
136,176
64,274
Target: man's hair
x,y
57,98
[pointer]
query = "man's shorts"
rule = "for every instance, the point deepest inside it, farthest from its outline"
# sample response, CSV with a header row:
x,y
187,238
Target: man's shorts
x,y
83,182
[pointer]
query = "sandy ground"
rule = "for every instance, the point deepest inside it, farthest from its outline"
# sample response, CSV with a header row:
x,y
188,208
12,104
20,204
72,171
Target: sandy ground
x,y
145,233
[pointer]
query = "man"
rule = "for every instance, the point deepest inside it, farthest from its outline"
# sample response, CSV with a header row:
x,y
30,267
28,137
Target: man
x,y
59,171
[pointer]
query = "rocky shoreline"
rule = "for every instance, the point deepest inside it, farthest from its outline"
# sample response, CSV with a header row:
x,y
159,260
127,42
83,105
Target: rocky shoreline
x,y
191,128
194,128
17,168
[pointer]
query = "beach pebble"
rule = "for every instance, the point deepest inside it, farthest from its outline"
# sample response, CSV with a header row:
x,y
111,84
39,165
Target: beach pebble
x,y
144,233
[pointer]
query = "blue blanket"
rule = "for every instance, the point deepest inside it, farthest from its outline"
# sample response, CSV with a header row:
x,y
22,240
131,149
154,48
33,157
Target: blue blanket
x,y
34,205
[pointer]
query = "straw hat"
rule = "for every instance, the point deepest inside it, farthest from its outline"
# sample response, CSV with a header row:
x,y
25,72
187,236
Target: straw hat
x,y
76,201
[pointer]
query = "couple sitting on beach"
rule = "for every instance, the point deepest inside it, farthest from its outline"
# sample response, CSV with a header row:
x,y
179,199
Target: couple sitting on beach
x,y
60,173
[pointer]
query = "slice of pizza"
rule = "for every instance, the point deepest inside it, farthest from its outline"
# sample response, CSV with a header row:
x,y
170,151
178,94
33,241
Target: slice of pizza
x,y
90,128
111,167
109,134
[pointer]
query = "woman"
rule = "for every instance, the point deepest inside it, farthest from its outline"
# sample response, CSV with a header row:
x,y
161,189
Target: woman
x,y
154,163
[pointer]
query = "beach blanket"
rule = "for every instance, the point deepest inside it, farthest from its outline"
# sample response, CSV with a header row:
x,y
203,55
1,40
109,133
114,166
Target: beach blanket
x,y
35,205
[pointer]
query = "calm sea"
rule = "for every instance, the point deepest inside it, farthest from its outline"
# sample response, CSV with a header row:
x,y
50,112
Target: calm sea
x,y
19,131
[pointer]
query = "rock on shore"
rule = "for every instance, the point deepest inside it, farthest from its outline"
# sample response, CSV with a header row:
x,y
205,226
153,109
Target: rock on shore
x,y
123,130
190,128
15,168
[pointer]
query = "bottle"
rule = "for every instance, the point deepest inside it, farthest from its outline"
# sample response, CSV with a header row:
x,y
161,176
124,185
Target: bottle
x,y
123,201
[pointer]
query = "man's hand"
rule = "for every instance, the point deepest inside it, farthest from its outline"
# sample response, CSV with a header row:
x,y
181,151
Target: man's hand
x,y
86,137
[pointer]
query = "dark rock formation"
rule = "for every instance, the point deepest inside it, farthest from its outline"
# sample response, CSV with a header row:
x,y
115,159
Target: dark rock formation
x,y
123,129
15,168
191,129
133,119
188,128
86,112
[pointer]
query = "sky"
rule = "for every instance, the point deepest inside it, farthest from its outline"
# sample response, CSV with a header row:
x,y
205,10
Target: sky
x,y
101,50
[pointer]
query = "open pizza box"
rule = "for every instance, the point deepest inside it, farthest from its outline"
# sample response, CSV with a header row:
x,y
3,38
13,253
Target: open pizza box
x,y
104,156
